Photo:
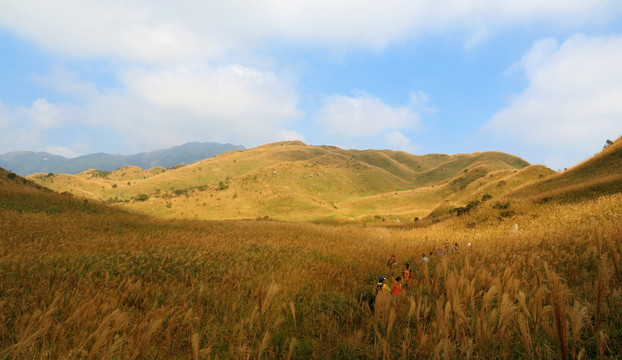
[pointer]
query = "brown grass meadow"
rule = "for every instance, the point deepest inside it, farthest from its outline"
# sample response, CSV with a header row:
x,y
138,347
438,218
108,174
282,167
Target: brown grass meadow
x,y
84,281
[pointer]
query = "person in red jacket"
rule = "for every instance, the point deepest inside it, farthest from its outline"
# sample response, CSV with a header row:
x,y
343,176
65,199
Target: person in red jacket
x,y
397,286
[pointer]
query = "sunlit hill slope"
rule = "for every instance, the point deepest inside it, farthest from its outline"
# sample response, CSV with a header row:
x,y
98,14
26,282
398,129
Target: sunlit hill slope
x,y
294,181
596,176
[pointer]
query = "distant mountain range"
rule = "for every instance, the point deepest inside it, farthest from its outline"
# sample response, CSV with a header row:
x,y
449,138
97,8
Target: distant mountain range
x,y
29,162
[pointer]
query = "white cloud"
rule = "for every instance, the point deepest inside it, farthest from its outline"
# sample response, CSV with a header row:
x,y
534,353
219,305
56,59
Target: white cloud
x,y
42,115
62,151
362,116
67,83
228,93
116,29
574,98
398,141
223,103
157,31
420,100
21,127
288,135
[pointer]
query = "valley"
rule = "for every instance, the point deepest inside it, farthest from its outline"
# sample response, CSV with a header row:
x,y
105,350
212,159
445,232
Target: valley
x,y
536,273
298,182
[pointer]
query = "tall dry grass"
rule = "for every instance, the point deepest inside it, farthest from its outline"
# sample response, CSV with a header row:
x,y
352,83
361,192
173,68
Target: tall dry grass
x,y
88,282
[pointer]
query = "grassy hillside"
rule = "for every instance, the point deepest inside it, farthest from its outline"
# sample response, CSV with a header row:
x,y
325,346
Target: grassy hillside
x,y
293,181
599,175
79,279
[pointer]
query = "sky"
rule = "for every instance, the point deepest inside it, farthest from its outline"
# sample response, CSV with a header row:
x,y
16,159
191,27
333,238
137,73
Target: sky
x,y
540,79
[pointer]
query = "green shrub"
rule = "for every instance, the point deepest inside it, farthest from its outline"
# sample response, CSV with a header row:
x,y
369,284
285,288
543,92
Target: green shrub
x,y
501,206
180,192
100,173
473,204
507,213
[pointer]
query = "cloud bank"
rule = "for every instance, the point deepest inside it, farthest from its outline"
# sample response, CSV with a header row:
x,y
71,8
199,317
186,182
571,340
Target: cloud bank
x,y
162,31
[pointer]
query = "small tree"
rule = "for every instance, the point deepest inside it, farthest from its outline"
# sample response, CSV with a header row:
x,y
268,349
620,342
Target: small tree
x,y
608,143
142,197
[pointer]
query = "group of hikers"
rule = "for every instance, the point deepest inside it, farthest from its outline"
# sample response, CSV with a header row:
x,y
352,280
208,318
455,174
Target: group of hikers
x,y
397,287
406,274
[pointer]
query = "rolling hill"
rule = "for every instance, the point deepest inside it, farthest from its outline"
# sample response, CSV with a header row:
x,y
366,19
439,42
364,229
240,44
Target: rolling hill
x,y
596,176
294,181
28,162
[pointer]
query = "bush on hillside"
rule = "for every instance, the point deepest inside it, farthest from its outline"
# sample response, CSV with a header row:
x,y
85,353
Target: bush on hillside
x,y
465,209
501,206
180,192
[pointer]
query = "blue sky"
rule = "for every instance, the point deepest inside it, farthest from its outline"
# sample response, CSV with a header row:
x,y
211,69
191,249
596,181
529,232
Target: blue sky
x,y
541,79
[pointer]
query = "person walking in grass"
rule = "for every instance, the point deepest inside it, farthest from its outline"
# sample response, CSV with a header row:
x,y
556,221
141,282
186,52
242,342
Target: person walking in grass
x,y
382,301
397,287
381,286
406,273
391,263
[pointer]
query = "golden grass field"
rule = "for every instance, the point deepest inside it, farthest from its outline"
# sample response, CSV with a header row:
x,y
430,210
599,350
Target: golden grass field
x,y
81,280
